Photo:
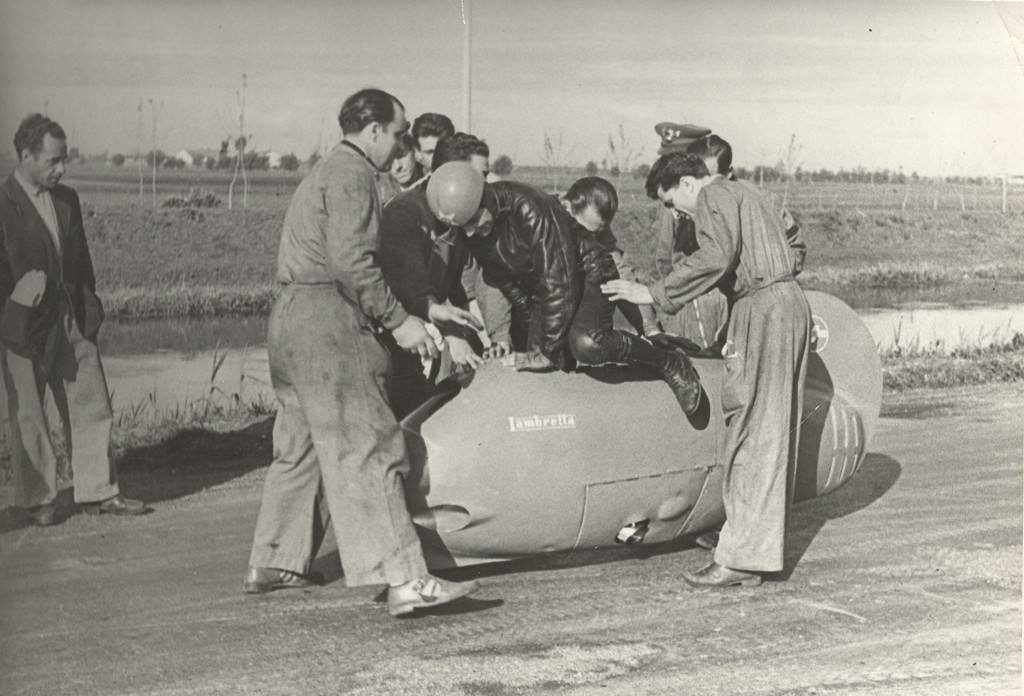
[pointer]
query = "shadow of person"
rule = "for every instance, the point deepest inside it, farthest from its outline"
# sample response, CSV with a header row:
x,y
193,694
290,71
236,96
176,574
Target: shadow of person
x,y
13,518
194,459
877,474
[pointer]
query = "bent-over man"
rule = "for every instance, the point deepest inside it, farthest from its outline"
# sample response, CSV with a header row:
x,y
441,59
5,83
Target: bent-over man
x,y
334,430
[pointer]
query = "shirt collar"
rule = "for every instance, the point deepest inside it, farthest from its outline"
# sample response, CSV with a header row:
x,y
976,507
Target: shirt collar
x,y
31,189
362,154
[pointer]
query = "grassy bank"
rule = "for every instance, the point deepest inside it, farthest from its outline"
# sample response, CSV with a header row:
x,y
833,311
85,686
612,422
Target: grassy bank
x,y
172,263
997,363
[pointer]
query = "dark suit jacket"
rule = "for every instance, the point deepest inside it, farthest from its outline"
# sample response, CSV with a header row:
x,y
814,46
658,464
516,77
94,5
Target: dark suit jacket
x,y
26,245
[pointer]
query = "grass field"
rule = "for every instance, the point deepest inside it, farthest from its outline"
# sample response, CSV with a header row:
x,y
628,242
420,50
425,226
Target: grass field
x,y
870,245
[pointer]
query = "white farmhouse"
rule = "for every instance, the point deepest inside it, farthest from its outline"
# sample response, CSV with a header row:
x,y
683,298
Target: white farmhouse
x,y
186,157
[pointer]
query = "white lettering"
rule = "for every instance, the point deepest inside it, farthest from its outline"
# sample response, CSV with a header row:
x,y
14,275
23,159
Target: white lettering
x,y
557,421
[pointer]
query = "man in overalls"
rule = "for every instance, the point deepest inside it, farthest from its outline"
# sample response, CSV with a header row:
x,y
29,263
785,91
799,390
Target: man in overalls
x,y
743,251
339,453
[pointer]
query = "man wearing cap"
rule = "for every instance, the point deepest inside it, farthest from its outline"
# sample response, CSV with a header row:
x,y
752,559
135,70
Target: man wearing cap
x,y
702,319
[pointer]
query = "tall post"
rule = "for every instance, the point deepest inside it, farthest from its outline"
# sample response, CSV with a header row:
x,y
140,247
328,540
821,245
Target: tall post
x,y
138,155
152,107
467,12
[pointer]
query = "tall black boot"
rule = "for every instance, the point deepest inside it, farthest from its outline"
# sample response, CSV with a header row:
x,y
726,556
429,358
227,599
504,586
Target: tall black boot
x,y
675,368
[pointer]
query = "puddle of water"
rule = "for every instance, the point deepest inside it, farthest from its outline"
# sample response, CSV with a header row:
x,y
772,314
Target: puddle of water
x,y
164,381
165,363
943,328
186,336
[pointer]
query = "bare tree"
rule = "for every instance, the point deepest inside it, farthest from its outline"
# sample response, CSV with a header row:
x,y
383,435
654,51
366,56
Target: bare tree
x,y
622,153
240,146
790,165
556,156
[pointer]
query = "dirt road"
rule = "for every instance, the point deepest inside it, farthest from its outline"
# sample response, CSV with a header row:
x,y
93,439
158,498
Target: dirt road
x,y
905,581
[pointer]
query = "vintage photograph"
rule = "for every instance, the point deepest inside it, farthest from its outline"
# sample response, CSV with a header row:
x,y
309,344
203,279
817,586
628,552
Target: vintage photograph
x,y
504,348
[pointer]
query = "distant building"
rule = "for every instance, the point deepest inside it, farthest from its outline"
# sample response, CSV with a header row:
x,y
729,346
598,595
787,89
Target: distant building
x,y
186,157
273,160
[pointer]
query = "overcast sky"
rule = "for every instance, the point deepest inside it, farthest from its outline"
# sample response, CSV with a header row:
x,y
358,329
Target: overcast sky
x,y
933,87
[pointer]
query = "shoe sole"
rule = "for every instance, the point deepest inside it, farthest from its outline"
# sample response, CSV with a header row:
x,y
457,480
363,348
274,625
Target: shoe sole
x,y
746,582
260,588
411,606
123,513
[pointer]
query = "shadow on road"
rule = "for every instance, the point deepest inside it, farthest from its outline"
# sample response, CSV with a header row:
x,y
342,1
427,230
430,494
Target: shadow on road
x,y
876,476
193,460
14,518
187,462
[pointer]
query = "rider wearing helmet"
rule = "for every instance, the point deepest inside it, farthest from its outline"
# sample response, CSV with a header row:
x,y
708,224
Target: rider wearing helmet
x,y
421,255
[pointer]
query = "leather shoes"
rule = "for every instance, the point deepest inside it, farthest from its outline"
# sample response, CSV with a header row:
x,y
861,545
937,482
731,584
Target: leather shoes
x,y
116,505
714,575
43,515
259,580
426,592
684,381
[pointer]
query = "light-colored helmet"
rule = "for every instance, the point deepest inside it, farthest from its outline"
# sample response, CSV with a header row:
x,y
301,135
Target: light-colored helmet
x,y
454,192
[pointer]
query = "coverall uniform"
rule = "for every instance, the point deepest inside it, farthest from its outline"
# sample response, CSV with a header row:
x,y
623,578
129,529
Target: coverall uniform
x,y
744,251
52,344
704,318
334,430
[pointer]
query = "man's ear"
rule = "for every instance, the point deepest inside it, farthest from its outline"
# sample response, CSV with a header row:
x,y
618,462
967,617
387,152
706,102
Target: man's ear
x,y
376,130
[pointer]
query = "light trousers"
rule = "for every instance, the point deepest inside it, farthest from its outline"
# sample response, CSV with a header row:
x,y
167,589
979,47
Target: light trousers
x,y
762,397
339,453
74,374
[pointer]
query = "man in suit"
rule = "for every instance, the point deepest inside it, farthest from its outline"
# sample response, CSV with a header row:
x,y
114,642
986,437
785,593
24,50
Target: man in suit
x,y
49,319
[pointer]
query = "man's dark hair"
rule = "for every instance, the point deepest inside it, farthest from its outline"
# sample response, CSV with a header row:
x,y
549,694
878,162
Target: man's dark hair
x,y
713,147
458,147
668,169
367,106
432,126
406,144
595,191
30,133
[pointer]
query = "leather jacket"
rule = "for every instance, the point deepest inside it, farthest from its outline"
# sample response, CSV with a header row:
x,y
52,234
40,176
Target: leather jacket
x,y
532,256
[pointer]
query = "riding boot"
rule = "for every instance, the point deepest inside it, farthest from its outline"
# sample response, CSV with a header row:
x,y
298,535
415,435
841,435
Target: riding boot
x,y
675,368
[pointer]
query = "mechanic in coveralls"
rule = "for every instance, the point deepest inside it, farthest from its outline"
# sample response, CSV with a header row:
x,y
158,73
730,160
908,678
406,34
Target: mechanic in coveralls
x,y
743,250
338,451
704,317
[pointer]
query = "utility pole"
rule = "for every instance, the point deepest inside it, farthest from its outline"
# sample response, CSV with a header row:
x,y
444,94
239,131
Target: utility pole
x,y
467,68
138,152
153,108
